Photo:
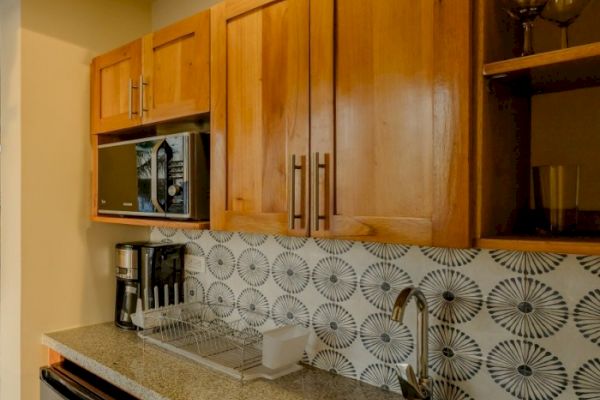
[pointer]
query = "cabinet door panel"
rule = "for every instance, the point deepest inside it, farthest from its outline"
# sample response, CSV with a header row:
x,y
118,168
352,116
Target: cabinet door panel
x,y
260,116
375,73
176,69
112,96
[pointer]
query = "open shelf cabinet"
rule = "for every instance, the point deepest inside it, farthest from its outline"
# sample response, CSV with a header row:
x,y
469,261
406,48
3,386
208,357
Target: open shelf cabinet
x,y
522,121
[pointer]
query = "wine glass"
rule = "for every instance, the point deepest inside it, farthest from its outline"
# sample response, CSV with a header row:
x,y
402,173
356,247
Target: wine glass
x,y
564,13
525,11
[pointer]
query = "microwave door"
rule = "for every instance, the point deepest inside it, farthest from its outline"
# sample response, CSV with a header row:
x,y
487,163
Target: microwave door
x,y
117,180
158,164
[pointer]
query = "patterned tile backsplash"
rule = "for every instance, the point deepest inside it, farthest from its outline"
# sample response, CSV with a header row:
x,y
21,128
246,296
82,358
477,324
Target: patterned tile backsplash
x,y
503,325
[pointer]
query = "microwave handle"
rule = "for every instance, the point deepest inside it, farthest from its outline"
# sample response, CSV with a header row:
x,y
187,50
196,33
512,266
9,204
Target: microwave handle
x,y
154,177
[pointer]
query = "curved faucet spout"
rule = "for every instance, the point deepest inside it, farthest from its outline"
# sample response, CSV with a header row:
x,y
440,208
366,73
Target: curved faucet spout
x,y
398,312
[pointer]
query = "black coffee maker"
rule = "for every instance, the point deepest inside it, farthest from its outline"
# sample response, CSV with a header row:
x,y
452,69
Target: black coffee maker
x,y
153,272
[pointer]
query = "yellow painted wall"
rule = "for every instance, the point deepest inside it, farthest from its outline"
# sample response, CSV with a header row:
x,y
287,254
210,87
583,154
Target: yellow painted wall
x,y
10,190
165,12
57,266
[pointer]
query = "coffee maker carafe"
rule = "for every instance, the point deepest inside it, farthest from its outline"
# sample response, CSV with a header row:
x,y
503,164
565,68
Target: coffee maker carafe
x,y
153,272
128,283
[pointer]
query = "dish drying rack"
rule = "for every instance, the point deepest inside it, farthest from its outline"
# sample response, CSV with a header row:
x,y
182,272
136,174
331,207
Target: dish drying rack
x,y
212,335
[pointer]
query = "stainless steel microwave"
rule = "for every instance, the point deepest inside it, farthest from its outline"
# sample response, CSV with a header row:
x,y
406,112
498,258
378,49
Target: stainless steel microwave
x,y
162,176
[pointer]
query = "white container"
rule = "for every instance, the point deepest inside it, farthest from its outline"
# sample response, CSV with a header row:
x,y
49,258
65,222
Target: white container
x,y
284,346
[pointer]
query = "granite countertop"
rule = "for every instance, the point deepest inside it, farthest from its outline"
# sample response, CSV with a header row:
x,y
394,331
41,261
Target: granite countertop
x,y
149,372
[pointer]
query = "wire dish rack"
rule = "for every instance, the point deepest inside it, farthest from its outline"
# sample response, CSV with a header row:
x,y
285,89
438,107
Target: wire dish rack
x,y
214,336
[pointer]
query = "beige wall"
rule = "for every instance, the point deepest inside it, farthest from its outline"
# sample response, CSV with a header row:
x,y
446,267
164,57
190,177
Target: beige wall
x,y
10,180
61,273
165,12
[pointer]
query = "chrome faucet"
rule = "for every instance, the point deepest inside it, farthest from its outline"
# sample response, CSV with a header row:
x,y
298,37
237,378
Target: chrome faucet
x,y
413,387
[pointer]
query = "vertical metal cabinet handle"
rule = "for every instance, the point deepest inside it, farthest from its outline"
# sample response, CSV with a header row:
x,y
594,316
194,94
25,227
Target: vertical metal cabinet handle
x,y
130,98
316,203
130,88
143,108
292,215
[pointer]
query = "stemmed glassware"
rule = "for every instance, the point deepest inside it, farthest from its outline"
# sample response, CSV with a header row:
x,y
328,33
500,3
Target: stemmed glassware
x,y
525,11
564,13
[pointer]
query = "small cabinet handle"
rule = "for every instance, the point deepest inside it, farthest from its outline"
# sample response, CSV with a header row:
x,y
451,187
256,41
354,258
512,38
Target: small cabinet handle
x,y
317,166
142,86
130,88
293,170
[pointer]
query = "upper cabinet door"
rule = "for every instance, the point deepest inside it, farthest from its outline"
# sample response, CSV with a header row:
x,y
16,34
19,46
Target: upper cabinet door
x,y
260,116
176,64
390,99
115,89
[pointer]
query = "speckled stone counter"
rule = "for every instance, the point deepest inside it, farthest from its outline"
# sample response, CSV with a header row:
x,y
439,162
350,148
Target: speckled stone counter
x,y
149,372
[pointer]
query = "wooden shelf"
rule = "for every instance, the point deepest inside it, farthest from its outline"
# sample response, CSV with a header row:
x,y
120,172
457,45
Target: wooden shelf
x,y
590,246
196,225
565,69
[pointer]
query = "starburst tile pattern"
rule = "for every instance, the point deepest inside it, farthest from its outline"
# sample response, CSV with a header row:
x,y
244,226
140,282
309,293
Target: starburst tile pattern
x,y
453,297
290,272
334,247
381,375
450,257
291,242
527,262
387,340
527,307
194,290
334,325
253,267
194,249
221,261
527,370
447,391
382,282
253,307
386,251
587,316
192,235
335,279
591,263
288,310
253,239
453,354
221,237
587,380
507,326
167,232
334,362
221,299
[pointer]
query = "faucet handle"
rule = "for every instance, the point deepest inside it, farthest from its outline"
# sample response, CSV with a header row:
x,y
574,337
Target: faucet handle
x,y
411,388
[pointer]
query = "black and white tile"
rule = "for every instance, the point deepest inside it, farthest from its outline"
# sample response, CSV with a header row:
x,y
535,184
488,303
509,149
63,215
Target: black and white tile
x,y
290,272
527,370
527,307
587,380
381,283
587,316
504,324
452,296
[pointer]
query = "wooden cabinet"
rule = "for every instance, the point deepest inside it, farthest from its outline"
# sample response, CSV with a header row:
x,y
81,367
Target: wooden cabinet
x,y
389,96
260,116
176,65
161,77
114,76
390,120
